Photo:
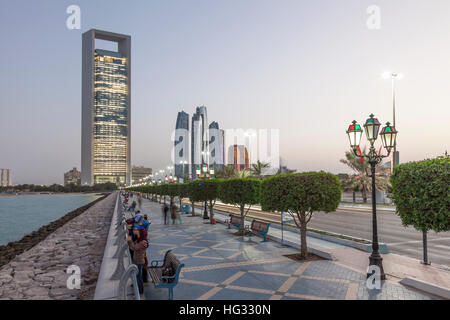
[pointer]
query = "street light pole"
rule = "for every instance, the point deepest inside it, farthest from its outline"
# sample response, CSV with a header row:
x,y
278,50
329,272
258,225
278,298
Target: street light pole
x,y
388,137
393,76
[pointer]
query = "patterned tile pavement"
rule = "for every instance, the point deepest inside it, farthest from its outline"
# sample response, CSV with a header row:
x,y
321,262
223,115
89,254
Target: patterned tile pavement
x,y
222,266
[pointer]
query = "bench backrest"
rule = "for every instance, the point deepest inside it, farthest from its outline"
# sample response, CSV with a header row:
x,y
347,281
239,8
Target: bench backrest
x,y
259,226
171,260
235,220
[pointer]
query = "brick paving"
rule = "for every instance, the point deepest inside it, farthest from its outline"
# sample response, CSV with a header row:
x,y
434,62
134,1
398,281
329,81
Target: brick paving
x,y
222,266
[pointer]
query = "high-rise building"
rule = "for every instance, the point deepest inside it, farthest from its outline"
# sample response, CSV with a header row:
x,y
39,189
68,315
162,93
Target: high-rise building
x,y
216,146
72,177
139,174
106,110
5,178
238,157
181,145
199,139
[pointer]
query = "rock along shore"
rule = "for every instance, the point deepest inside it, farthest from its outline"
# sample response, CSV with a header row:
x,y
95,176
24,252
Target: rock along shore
x,y
36,266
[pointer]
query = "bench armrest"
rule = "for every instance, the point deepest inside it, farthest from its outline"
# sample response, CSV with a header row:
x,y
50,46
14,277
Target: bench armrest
x,y
155,263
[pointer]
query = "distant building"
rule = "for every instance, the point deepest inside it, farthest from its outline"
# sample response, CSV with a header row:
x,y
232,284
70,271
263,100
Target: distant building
x,y
199,139
238,157
216,146
181,145
138,174
72,177
5,178
106,110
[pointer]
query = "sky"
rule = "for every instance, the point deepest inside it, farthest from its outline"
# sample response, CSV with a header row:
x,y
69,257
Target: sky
x,y
307,68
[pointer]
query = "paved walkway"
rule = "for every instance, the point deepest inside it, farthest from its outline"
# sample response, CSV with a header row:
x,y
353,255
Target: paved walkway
x,y
220,265
395,266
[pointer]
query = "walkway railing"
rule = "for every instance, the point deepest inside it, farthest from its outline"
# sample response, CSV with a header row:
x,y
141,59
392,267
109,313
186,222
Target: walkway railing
x,y
117,267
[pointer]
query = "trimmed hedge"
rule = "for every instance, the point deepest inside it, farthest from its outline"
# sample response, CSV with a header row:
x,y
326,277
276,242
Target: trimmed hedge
x,y
301,194
240,192
420,191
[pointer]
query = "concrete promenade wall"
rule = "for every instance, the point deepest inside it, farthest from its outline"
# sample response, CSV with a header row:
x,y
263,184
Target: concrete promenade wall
x,y
40,273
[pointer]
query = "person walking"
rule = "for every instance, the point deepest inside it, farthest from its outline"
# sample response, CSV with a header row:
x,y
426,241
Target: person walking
x,y
139,247
139,199
166,211
173,213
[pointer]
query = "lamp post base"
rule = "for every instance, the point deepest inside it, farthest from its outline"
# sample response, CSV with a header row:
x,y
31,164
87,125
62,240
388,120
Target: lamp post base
x,y
376,260
205,214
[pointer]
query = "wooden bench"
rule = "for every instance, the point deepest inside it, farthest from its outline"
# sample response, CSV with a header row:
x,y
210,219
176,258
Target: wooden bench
x,y
259,227
156,269
234,221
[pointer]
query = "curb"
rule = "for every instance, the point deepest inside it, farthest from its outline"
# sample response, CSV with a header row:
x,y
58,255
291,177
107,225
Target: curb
x,y
426,287
349,243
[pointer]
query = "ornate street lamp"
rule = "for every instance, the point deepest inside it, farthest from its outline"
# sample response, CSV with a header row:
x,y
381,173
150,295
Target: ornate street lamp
x,y
388,135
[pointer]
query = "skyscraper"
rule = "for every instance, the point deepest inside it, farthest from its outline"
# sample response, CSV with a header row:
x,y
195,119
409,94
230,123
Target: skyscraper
x,y
199,138
181,145
106,108
238,157
5,178
216,146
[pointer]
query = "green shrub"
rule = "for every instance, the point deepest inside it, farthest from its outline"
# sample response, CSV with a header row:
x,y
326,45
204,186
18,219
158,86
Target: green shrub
x,y
301,194
420,191
240,192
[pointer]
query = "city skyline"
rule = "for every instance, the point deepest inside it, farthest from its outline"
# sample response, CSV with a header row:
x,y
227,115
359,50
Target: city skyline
x,y
275,67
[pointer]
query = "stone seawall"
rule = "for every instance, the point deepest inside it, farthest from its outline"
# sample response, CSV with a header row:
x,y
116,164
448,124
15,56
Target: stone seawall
x,y
40,272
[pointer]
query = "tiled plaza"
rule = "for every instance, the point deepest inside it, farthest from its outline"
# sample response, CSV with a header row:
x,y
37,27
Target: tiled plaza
x,y
222,266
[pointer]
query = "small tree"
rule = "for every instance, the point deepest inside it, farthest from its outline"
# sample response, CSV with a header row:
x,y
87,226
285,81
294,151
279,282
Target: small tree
x,y
182,191
420,191
206,190
301,194
241,193
192,196
171,192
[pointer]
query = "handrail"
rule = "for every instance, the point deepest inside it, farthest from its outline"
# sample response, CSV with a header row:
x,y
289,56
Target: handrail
x,y
132,270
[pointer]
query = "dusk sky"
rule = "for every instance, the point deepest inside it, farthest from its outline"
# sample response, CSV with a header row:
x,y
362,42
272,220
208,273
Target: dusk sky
x,y
307,68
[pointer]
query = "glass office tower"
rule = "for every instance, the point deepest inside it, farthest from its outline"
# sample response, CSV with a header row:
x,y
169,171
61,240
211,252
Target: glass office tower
x,y
110,117
106,95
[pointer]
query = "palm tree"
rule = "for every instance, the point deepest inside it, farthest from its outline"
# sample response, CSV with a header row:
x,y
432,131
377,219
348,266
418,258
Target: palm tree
x,y
243,174
361,181
258,167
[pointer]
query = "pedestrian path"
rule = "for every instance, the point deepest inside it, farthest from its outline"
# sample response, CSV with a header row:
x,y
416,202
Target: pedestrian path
x,y
221,265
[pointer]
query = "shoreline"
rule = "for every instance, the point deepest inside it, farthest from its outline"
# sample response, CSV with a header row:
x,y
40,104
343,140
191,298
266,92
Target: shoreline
x,y
41,271
37,194
12,249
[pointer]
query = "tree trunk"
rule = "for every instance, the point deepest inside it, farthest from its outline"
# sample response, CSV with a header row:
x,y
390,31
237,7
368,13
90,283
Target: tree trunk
x,y
242,229
193,208
303,245
354,196
211,212
425,249
160,198
364,195
180,203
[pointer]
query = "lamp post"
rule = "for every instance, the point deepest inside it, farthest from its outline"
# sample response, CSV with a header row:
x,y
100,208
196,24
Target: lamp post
x,y
393,76
183,164
388,136
203,175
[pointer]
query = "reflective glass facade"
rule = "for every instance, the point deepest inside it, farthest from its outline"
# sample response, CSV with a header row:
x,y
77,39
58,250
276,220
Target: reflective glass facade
x,y
110,117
